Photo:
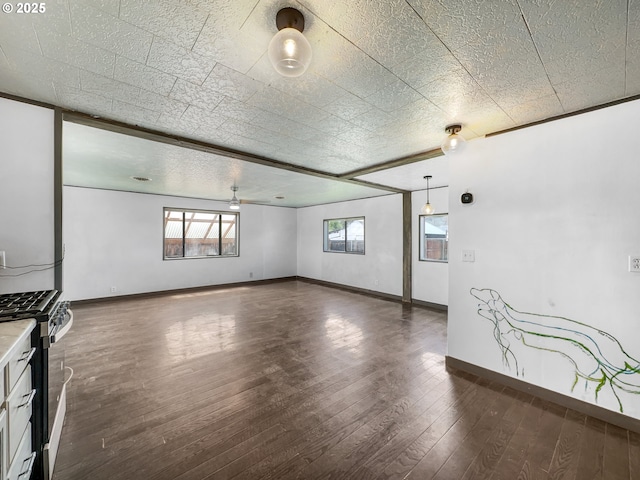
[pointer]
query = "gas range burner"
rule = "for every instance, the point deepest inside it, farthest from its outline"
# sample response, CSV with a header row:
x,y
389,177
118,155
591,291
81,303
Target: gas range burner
x,y
27,304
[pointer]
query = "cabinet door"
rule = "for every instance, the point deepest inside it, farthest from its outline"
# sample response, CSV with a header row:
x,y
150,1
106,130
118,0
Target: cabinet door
x,y
4,460
22,464
19,361
19,405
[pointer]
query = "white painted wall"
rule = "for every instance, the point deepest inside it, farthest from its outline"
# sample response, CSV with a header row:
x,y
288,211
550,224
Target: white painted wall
x,y
555,217
115,239
380,269
430,279
26,195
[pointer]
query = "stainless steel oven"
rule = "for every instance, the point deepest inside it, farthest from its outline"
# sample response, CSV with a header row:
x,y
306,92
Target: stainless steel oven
x,y
59,374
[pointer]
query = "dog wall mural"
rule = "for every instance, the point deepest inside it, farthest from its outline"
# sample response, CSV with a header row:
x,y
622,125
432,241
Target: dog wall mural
x,y
598,358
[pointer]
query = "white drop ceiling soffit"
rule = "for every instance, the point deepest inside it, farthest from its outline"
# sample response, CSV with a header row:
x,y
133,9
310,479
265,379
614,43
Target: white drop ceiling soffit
x,y
385,79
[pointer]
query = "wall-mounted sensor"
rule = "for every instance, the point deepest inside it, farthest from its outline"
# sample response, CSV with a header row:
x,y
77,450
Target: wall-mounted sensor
x,y
466,197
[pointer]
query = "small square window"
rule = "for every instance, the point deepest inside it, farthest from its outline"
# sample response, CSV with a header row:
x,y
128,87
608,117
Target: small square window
x,y
344,235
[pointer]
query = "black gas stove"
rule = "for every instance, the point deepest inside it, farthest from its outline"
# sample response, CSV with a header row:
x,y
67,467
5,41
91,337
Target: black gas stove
x,y
54,317
44,306
14,306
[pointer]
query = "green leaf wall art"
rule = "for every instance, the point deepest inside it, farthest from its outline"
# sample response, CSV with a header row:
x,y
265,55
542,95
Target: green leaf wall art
x,y
598,358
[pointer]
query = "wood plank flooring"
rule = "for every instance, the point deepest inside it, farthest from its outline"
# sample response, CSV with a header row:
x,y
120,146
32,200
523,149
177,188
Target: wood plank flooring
x,y
293,380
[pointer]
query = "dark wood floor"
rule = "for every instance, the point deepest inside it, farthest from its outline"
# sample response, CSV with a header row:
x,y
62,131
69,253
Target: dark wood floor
x,y
295,380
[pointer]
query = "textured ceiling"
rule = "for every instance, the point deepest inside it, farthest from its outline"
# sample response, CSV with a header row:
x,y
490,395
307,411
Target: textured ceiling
x,y
97,158
385,79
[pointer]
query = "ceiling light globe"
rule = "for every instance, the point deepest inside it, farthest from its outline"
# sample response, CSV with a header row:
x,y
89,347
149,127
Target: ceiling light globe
x,y
427,209
290,52
454,143
234,205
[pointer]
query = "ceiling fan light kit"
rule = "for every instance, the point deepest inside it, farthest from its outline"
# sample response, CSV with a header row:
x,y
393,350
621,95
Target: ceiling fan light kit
x,y
454,143
234,204
289,50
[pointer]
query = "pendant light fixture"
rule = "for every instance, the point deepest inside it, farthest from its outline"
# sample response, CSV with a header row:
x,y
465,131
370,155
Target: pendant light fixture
x,y
234,204
453,143
427,208
289,50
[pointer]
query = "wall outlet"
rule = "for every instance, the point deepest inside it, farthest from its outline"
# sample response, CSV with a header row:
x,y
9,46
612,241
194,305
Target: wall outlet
x,y
3,260
114,289
250,274
468,256
634,263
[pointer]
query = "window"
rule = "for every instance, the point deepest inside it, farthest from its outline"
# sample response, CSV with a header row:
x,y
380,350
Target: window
x,y
345,235
434,238
199,233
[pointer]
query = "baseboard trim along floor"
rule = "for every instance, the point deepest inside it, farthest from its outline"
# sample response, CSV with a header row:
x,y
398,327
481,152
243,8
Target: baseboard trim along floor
x,y
590,409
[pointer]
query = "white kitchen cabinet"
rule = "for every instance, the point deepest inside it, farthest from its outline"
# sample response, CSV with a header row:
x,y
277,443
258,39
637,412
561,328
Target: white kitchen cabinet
x,y
4,462
17,393
19,408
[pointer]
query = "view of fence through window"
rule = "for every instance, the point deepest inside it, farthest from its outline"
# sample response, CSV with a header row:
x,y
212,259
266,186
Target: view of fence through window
x,y
434,238
199,233
344,235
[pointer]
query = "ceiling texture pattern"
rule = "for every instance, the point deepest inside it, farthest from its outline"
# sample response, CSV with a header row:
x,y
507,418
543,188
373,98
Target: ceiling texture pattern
x,y
386,76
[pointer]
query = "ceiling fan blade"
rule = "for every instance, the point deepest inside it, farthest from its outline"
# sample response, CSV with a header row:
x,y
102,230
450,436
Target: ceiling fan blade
x,y
254,202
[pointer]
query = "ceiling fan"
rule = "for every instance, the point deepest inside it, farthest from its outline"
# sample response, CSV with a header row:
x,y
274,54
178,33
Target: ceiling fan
x,y
234,203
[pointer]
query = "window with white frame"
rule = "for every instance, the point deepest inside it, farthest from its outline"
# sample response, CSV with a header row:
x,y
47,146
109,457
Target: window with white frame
x,y
344,235
434,238
199,233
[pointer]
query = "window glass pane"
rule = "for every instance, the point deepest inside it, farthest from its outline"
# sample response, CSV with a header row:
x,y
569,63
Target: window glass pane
x,y
229,242
344,235
197,226
355,236
172,234
335,235
434,232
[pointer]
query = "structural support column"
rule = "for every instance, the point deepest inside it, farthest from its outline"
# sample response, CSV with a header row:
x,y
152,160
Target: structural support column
x,y
58,282
406,247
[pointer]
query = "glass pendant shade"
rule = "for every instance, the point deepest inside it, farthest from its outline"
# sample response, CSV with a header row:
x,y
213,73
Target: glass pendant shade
x,y
454,143
427,209
290,52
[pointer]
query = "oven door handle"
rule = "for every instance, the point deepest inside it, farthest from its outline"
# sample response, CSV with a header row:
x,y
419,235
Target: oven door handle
x,y
27,473
62,330
29,401
26,356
